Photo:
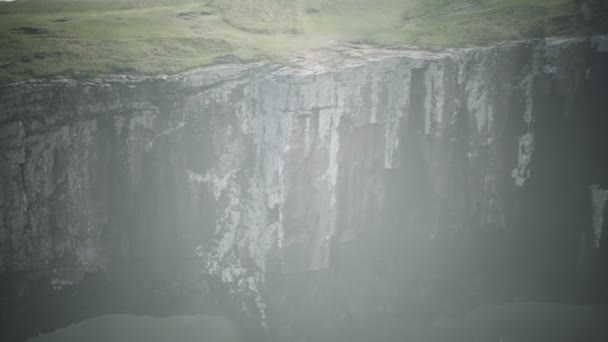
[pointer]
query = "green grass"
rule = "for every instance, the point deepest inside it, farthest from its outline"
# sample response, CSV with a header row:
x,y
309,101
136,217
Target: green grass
x,y
93,37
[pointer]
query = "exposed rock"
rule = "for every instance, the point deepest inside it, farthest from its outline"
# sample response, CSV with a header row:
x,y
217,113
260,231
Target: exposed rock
x,y
354,182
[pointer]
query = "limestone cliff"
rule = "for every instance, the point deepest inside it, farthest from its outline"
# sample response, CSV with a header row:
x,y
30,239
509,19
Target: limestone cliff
x,y
345,183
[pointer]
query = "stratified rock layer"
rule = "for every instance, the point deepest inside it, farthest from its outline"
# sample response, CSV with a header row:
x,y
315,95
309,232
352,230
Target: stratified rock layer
x,y
355,182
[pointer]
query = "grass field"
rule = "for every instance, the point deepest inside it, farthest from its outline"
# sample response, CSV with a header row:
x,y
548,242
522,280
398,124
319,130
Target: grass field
x,y
40,38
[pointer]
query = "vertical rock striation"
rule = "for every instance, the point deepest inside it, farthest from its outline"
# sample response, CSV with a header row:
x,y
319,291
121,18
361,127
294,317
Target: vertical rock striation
x,y
354,182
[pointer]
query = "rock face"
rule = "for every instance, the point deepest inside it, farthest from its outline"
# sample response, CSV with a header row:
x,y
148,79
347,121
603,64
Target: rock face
x,y
354,182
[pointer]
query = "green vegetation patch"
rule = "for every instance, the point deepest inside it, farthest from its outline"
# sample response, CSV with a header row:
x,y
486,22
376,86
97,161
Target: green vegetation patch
x,y
40,38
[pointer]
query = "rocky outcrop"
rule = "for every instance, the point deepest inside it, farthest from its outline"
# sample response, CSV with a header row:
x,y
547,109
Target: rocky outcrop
x,y
353,182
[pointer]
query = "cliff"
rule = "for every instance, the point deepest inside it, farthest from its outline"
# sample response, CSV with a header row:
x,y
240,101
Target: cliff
x,y
348,182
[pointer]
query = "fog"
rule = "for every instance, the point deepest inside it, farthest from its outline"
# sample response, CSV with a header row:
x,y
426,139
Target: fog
x,y
303,171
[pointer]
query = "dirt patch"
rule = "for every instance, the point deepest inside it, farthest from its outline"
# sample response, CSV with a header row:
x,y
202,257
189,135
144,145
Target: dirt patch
x,y
192,15
30,30
185,14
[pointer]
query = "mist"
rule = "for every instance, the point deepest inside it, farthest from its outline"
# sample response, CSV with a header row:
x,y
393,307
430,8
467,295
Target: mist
x,y
303,171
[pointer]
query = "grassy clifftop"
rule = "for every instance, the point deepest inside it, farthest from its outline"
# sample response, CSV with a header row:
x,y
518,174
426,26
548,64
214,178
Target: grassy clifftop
x,y
40,38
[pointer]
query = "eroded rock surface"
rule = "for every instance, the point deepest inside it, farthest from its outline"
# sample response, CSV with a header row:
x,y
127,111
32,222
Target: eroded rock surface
x,y
354,182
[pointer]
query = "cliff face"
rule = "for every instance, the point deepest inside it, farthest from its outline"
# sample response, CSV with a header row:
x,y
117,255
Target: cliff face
x,y
352,182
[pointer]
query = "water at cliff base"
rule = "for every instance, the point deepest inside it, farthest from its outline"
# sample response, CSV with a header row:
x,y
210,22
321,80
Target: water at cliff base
x,y
127,328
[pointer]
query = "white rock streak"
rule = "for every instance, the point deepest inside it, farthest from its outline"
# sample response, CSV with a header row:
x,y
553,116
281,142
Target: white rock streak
x,y
599,197
527,143
306,123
